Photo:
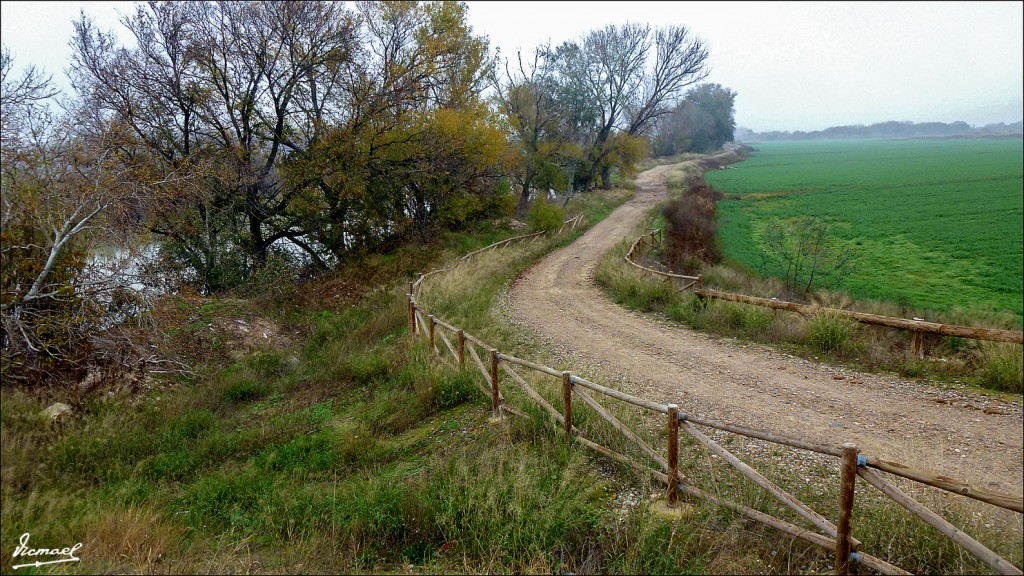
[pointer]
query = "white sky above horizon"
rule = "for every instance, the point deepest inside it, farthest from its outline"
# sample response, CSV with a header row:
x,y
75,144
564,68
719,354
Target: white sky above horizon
x,y
795,65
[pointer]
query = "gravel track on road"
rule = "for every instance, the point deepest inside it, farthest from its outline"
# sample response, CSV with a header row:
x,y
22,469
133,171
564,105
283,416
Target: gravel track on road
x,y
947,431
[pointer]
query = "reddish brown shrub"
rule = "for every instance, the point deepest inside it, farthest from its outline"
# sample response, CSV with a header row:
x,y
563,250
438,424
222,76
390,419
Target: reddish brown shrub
x,y
690,229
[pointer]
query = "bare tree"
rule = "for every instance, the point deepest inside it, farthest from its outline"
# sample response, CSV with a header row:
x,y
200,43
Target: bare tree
x,y
804,254
20,96
680,60
607,77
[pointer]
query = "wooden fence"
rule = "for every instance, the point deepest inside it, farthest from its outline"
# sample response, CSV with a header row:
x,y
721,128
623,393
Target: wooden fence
x,y
918,328
466,349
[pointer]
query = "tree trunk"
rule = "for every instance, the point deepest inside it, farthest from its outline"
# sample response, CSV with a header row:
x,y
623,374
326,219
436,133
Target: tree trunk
x,y
524,196
524,203
606,178
258,247
420,212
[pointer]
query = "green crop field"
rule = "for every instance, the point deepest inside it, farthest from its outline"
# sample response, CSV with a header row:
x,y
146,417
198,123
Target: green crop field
x,y
937,224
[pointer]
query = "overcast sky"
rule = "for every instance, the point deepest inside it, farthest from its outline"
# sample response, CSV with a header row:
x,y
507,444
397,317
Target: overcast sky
x,y
796,66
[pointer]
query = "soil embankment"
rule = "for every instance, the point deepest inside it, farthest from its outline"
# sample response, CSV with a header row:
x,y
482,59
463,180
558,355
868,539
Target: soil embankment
x,y
957,433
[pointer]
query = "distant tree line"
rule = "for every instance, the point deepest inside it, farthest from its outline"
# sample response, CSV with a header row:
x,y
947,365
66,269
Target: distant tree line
x,y
702,122
891,129
237,141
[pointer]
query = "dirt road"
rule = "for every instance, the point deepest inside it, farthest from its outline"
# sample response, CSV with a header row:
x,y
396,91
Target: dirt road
x,y
920,425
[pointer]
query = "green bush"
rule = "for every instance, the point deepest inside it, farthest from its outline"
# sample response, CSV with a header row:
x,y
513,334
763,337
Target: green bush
x,y
544,215
178,465
678,312
502,204
517,502
357,445
393,412
192,425
911,368
382,515
757,321
830,333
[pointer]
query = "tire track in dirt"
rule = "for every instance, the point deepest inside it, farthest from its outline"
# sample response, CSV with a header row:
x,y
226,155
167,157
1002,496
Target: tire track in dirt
x,y
753,385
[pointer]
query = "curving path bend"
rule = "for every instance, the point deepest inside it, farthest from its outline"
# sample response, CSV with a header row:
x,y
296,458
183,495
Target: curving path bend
x,y
956,433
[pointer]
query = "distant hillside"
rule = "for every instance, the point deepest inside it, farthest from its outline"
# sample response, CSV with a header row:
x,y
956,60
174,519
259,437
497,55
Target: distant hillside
x,y
889,130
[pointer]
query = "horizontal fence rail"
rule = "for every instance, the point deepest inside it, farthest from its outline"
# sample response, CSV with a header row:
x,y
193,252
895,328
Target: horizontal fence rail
x,y
835,537
654,238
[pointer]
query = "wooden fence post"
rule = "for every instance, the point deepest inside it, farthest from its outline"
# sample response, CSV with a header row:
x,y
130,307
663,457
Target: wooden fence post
x,y
430,329
462,348
673,454
412,316
917,344
567,399
847,483
495,406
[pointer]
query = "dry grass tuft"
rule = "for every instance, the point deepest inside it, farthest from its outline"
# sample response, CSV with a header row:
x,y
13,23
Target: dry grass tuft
x,y
138,537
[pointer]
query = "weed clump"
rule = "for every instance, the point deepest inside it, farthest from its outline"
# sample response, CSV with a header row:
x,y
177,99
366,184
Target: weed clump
x,y
243,387
1002,366
830,333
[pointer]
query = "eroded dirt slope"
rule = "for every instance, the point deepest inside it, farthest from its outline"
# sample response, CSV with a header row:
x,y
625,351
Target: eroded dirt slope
x,y
751,385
